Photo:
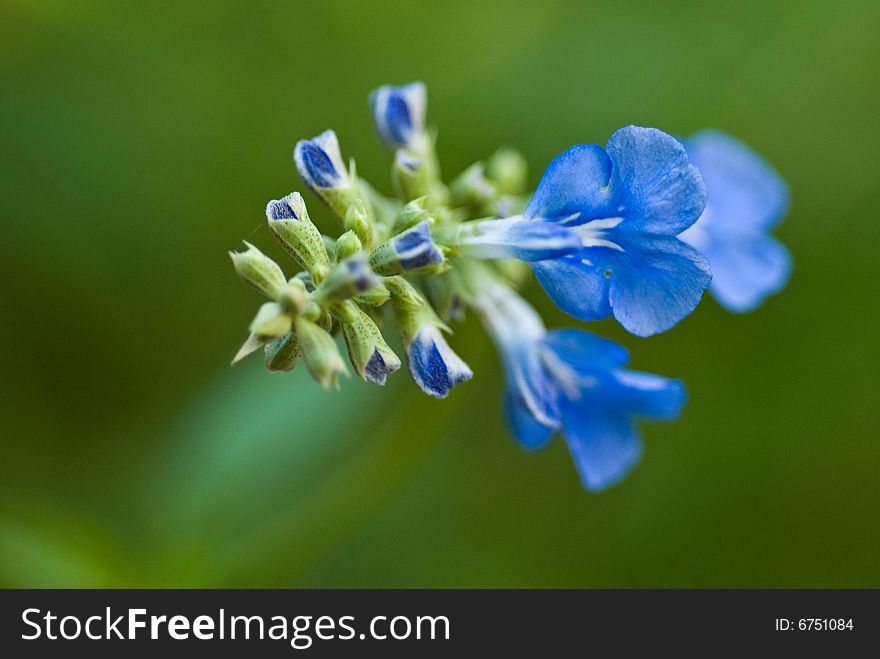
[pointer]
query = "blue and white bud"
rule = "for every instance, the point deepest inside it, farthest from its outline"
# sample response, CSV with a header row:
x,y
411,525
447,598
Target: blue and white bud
x,y
259,271
319,163
399,115
515,238
320,166
410,251
348,278
370,356
289,222
434,366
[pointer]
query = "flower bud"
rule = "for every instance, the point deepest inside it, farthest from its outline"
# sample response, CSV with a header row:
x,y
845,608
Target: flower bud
x,y
508,170
348,278
399,115
413,213
293,297
357,219
371,357
320,166
290,224
259,271
347,244
434,366
320,352
271,320
403,294
374,296
283,353
410,251
410,175
472,188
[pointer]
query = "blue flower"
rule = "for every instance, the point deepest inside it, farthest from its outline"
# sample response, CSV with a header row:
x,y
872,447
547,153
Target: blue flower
x,y
628,202
574,382
319,162
434,366
747,198
399,114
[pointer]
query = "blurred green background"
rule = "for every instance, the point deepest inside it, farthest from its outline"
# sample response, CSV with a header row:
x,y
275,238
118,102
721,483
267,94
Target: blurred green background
x,y
140,143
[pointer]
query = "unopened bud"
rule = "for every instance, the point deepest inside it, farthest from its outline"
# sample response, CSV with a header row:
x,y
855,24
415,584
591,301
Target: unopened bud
x,y
290,224
293,297
374,296
412,250
259,271
472,188
271,320
348,278
410,175
283,353
414,212
320,352
508,170
347,244
371,357
357,219
403,294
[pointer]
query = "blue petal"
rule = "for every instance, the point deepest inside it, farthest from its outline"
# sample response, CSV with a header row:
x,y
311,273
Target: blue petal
x,y
435,368
645,395
654,282
530,433
279,210
318,166
745,192
585,352
656,188
574,182
531,386
576,284
746,269
377,369
604,443
516,238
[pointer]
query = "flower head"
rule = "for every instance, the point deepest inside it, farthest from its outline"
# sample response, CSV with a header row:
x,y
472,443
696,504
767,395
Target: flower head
x,y
399,115
574,382
628,202
747,198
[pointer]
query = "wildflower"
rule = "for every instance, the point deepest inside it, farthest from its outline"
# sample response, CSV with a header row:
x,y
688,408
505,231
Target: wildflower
x,y
628,202
747,198
574,382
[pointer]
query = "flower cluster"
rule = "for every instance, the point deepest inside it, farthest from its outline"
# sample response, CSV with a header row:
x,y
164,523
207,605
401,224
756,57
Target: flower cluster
x,y
636,230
